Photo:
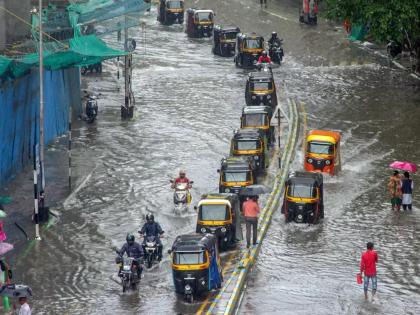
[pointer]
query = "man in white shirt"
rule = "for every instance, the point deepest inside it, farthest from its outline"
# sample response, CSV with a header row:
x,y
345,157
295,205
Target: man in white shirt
x,y
24,307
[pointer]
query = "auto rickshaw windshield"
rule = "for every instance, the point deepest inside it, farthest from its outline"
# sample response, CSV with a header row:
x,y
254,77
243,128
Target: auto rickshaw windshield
x,y
175,4
204,16
253,43
254,120
236,176
228,35
188,258
302,191
247,145
258,85
320,148
213,212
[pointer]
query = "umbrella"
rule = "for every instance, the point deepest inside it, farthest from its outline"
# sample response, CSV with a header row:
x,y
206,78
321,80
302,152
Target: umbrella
x,y
15,290
254,190
5,247
3,214
404,166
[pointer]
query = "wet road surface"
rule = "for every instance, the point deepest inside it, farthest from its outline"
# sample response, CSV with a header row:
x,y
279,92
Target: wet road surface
x,y
188,103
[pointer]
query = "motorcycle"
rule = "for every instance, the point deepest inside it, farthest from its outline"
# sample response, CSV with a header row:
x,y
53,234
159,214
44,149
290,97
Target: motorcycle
x,y
129,273
91,109
150,250
276,52
182,196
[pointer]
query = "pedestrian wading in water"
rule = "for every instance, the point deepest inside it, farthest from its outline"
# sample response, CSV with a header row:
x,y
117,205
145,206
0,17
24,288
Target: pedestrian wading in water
x,y
394,187
368,269
407,186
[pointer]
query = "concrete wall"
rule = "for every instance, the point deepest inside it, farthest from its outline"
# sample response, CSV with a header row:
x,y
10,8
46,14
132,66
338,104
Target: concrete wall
x,y
19,112
11,28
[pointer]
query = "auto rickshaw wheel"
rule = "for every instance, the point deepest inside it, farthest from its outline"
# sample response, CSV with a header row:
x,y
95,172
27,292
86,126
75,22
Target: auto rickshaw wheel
x,y
189,298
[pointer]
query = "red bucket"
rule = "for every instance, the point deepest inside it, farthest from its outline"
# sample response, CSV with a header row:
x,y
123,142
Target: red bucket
x,y
359,278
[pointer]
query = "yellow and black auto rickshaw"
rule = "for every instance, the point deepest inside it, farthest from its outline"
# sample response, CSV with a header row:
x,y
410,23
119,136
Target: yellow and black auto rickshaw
x,y
224,40
199,23
303,200
261,89
196,266
251,143
323,152
235,173
248,49
219,214
171,11
258,117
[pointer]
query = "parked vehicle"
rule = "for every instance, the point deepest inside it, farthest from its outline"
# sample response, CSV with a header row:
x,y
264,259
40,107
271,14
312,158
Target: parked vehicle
x,y
308,13
224,40
171,11
219,214
260,89
303,200
199,23
196,266
323,152
248,49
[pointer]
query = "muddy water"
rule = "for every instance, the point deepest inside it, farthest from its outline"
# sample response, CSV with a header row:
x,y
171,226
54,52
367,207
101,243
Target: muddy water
x,y
188,103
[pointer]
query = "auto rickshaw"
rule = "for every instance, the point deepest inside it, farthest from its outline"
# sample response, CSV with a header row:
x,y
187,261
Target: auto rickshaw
x,y
303,200
252,143
261,89
323,152
199,23
171,11
235,173
258,117
308,12
196,266
248,49
224,40
219,214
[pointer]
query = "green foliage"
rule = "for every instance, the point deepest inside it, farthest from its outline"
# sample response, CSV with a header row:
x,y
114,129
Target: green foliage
x,y
387,19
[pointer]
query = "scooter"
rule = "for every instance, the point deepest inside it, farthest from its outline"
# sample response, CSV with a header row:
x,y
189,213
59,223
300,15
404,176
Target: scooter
x,y
129,273
182,196
276,52
91,109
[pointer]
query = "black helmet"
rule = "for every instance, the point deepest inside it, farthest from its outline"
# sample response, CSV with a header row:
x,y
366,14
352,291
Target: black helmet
x,y
130,239
150,218
274,34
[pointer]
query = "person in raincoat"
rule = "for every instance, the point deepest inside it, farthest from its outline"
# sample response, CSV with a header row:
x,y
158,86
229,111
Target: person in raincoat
x,y
407,191
394,186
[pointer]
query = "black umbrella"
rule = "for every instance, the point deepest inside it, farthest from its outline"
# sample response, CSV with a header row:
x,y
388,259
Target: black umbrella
x,y
15,290
254,190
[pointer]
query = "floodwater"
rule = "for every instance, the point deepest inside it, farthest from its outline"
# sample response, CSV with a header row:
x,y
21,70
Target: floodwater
x,y
188,104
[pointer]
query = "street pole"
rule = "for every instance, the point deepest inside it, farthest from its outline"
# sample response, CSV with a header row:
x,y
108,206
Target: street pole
x,y
69,148
41,118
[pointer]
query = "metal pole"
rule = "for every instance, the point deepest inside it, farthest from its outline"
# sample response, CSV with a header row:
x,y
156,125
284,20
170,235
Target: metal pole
x,y
70,117
41,121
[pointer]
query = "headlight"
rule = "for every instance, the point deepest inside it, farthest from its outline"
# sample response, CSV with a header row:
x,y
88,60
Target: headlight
x,y
253,97
203,230
255,157
227,190
328,162
187,287
225,45
223,229
268,96
310,161
199,27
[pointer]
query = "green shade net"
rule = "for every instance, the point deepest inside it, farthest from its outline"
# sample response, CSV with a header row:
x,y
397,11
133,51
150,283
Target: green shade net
x,y
4,64
358,32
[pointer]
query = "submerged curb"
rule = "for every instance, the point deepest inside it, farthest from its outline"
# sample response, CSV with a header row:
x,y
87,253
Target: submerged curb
x,y
229,298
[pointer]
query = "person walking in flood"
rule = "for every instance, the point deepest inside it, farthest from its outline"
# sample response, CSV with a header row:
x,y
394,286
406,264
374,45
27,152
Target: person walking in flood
x,y
394,186
251,210
407,191
368,268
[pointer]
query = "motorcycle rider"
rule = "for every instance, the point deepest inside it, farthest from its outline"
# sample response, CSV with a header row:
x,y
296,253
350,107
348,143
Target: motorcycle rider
x,y
152,228
274,40
264,58
134,250
182,179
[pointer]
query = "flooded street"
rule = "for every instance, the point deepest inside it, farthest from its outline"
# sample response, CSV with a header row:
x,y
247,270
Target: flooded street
x,y
188,102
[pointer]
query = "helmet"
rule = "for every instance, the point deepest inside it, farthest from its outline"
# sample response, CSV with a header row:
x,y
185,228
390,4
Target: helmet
x,y
264,53
150,218
130,239
181,173
274,34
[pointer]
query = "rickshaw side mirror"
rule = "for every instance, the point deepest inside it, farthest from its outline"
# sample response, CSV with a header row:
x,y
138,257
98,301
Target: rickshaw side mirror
x,y
169,251
195,208
171,181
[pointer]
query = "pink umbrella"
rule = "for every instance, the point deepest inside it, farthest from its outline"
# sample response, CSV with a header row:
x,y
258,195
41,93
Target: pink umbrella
x,y
5,247
404,166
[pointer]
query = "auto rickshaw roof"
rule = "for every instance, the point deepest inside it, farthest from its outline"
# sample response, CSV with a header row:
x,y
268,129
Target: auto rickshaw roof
x,y
261,76
250,35
194,10
193,242
249,134
305,178
257,110
226,29
222,196
324,136
238,164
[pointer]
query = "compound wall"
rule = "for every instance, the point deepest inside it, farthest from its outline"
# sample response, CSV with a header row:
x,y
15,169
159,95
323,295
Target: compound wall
x,y
19,115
